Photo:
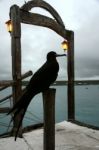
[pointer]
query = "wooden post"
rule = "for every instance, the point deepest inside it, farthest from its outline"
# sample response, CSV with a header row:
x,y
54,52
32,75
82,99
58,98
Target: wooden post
x,y
70,70
16,56
49,119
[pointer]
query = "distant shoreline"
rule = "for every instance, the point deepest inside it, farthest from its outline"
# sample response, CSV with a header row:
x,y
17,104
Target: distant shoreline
x,y
77,82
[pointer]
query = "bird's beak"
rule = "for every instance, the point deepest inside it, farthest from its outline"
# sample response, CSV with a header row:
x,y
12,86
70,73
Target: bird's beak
x,y
60,55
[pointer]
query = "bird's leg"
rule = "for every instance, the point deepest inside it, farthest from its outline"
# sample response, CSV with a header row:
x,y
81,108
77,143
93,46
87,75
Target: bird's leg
x,y
20,122
15,118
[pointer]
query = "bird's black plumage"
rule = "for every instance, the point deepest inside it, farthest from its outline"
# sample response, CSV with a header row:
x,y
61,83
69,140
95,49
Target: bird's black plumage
x,y
40,81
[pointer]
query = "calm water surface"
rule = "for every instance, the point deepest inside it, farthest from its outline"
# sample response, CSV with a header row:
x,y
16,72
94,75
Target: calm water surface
x,y
86,106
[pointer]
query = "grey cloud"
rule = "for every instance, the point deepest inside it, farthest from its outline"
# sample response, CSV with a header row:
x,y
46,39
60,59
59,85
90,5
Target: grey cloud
x,y
87,68
37,41
87,49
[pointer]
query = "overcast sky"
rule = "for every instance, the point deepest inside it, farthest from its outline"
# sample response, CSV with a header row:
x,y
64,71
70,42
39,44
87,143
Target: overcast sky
x,y
78,15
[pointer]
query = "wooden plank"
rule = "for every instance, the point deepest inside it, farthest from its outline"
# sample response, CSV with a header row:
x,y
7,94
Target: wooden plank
x,y
16,51
6,83
5,98
4,110
49,119
27,74
70,68
16,59
4,87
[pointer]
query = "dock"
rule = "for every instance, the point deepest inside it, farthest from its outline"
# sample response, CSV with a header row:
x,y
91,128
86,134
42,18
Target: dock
x,y
68,136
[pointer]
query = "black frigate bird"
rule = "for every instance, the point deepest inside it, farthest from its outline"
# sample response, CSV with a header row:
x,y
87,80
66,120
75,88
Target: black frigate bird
x,y
40,81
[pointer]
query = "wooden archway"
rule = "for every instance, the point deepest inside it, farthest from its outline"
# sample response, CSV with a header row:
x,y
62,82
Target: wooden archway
x,y
22,15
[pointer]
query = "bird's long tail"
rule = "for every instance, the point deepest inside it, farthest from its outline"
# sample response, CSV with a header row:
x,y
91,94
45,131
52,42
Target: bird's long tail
x,y
20,108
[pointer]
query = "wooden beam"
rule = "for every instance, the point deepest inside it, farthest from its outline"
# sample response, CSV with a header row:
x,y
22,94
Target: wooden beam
x,y
40,3
27,74
4,110
6,83
3,88
41,20
70,70
49,119
16,58
4,99
16,50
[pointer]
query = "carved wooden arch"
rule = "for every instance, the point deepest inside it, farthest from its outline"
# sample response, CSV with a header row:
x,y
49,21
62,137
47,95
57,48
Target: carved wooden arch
x,y
22,15
40,3
27,17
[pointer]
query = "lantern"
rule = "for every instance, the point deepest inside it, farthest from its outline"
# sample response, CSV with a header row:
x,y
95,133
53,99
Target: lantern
x,y
9,26
65,45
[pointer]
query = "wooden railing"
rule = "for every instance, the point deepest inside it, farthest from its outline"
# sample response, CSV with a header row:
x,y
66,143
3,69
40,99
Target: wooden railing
x,y
4,84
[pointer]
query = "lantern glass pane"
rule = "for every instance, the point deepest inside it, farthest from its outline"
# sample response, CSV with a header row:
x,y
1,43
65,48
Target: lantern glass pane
x,y
65,45
10,27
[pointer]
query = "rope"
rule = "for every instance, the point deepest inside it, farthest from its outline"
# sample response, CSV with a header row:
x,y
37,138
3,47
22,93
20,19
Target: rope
x,y
4,124
29,146
3,102
9,125
34,115
32,119
3,116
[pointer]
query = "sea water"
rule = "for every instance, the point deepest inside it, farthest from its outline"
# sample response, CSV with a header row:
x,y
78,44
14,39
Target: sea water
x,y
86,106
